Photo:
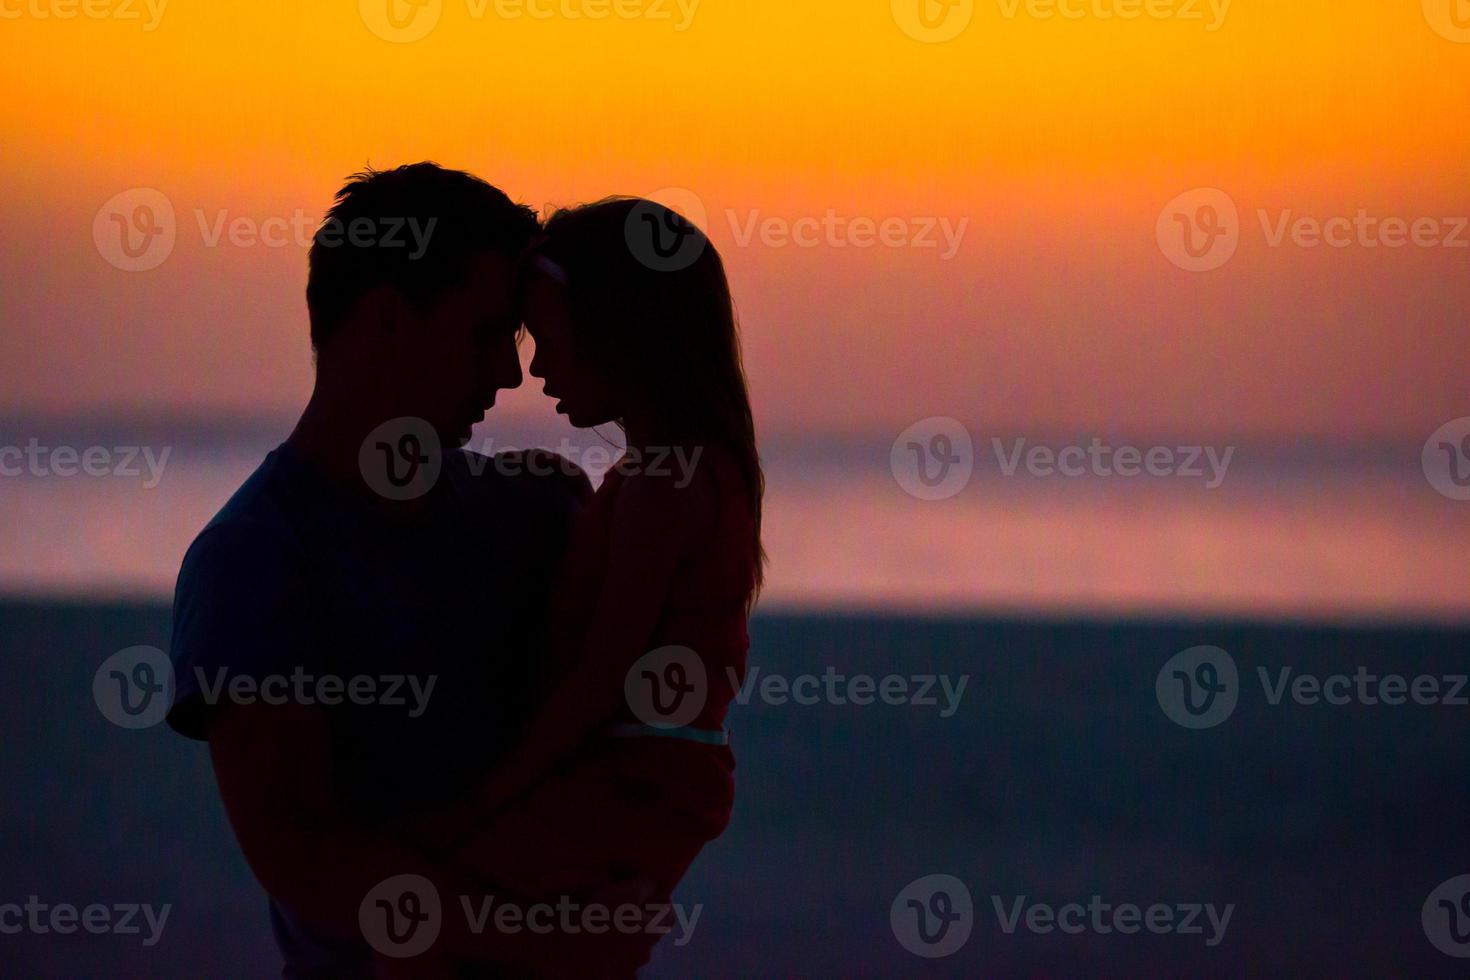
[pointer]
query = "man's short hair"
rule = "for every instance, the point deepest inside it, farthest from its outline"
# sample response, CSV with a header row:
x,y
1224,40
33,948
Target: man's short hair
x,y
414,227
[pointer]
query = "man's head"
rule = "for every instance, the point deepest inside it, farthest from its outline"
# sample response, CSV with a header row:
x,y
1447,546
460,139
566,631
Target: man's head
x,y
411,293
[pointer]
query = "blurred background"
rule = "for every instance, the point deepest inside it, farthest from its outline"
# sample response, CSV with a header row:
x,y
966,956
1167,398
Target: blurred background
x,y
1233,234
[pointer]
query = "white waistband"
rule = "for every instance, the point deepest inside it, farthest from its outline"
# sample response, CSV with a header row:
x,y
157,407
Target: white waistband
x,y
704,736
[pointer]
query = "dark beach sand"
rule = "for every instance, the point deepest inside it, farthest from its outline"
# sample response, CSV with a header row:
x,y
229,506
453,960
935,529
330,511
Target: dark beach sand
x,y
1058,778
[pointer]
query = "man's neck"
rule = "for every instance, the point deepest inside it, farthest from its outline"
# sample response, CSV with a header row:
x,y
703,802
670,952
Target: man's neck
x,y
329,434
329,437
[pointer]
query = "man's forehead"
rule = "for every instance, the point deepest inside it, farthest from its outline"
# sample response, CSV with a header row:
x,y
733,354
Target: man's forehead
x,y
492,267
490,278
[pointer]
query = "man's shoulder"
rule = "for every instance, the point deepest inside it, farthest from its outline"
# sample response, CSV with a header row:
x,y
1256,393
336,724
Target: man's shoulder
x,y
239,602
252,526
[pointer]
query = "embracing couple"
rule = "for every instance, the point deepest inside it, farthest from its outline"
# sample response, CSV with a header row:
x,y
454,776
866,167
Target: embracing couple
x,y
527,804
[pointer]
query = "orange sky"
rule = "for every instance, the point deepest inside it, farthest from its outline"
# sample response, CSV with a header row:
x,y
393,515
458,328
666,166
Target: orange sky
x,y
1057,140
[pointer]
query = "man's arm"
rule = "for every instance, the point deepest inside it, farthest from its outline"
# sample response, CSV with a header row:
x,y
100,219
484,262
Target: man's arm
x,y
244,606
271,764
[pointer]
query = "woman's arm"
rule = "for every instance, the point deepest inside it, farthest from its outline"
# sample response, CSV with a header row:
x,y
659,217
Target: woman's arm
x,y
653,524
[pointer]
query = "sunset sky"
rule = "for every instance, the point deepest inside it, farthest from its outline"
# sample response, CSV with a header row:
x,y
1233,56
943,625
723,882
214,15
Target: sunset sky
x,y
1047,146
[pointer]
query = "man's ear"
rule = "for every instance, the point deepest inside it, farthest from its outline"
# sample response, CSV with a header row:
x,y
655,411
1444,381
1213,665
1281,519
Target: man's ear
x,y
391,309
374,314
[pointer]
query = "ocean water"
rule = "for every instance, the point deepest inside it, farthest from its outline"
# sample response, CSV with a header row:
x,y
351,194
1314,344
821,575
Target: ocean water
x,y
1287,534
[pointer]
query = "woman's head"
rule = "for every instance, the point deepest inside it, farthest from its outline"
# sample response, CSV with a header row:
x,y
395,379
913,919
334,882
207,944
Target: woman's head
x,y
628,330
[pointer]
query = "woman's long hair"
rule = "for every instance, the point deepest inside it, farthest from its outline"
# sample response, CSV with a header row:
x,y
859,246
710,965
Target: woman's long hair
x,y
648,292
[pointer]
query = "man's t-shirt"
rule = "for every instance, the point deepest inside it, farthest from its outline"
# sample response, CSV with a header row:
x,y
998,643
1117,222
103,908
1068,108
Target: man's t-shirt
x,y
418,638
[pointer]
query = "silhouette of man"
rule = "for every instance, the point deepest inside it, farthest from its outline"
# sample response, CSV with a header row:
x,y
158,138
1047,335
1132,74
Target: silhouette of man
x,y
351,630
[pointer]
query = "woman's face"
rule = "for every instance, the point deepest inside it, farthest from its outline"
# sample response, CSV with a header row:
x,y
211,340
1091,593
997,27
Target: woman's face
x,y
581,385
